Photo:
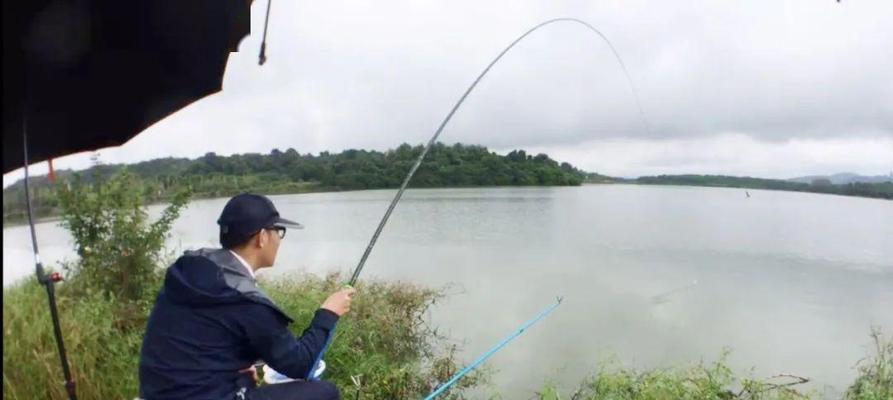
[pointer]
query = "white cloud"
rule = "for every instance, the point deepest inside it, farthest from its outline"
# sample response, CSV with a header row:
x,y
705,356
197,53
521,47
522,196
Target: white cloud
x,y
730,154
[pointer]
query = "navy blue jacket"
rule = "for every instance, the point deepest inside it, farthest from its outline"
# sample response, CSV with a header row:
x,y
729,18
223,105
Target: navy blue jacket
x,y
210,321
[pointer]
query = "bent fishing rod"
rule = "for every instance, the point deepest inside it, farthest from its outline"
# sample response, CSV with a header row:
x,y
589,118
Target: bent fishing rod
x,y
418,162
359,268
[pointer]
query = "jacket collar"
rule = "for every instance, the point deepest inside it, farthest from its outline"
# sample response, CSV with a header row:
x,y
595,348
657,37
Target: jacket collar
x,y
237,277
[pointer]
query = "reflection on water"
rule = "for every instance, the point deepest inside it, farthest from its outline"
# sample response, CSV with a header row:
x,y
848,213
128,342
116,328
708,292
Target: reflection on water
x,y
789,282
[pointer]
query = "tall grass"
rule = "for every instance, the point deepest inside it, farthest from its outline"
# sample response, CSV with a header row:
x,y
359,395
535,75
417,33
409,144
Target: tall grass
x,y
716,381
383,348
711,381
103,356
875,381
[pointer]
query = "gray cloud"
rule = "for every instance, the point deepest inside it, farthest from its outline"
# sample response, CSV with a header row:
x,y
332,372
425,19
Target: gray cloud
x,y
375,74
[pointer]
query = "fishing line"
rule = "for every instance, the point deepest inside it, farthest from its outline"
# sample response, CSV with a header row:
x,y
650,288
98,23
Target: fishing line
x,y
665,296
359,268
523,328
387,214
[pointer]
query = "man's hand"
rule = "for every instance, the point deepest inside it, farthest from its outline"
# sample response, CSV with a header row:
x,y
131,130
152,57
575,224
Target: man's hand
x,y
252,371
339,302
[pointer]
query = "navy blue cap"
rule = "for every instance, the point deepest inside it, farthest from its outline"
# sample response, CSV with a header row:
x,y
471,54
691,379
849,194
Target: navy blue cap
x,y
246,214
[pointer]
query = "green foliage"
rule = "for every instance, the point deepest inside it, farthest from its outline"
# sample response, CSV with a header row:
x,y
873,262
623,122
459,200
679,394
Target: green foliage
x,y
595,177
44,201
713,381
104,303
291,172
383,349
102,355
875,381
119,249
716,381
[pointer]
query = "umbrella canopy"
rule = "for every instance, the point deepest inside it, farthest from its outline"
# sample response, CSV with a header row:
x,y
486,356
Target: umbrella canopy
x,y
82,75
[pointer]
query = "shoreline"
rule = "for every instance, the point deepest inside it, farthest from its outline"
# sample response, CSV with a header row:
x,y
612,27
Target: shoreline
x,y
13,223
23,220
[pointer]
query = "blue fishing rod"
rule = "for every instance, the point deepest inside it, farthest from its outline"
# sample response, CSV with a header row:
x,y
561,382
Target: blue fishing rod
x,y
455,378
356,273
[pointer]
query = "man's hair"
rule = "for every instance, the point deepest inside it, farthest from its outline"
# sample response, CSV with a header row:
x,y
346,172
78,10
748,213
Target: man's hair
x,y
232,242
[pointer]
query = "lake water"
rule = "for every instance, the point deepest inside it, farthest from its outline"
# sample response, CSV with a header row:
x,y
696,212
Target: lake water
x,y
651,275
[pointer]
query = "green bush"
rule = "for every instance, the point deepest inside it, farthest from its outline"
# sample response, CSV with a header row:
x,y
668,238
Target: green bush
x,y
875,381
714,381
119,249
717,382
383,349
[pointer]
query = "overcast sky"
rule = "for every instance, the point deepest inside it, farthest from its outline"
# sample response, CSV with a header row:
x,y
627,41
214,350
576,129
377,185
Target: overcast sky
x,y
760,88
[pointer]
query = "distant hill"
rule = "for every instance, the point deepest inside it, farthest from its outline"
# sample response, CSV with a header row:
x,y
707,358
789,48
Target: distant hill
x,y
883,190
845,178
457,165
595,177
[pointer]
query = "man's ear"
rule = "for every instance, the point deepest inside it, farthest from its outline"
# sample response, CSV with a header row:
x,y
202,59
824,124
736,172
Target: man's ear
x,y
261,239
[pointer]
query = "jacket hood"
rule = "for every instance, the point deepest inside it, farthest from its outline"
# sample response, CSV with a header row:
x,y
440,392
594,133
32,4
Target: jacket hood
x,y
198,281
209,277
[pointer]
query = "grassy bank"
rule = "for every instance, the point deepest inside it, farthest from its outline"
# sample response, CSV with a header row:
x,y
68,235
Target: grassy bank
x,y
717,381
384,350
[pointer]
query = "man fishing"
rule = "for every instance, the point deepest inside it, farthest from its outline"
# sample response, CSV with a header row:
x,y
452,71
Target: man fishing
x,y
211,322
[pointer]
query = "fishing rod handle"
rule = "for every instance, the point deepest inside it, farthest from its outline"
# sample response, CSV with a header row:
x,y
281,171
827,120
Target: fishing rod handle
x,y
325,348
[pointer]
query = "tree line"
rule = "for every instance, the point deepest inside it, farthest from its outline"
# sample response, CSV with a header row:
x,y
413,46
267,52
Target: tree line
x,y
883,190
212,175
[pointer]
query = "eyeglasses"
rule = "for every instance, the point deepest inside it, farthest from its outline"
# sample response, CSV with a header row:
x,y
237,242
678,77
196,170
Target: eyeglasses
x,y
279,229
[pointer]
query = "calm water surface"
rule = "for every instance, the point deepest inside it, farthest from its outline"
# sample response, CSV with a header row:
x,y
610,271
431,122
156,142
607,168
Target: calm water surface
x,y
651,275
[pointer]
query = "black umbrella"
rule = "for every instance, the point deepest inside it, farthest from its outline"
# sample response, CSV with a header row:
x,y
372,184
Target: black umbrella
x,y
85,74
93,73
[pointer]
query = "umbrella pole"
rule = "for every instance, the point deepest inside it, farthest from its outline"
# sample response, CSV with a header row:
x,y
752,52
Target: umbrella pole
x,y
48,281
